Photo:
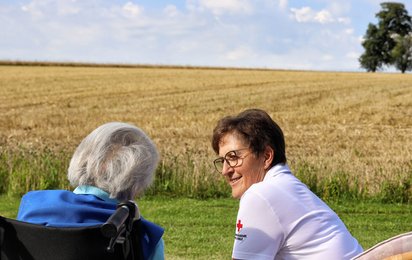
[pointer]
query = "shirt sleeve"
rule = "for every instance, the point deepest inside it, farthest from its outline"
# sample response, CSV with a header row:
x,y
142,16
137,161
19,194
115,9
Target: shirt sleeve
x,y
259,234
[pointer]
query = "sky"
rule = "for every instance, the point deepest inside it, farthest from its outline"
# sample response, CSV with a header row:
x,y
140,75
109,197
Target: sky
x,y
323,35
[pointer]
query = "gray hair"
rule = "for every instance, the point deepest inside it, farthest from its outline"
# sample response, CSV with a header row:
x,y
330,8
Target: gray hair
x,y
116,157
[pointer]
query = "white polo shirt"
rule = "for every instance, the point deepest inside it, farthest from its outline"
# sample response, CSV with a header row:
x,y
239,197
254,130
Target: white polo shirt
x,y
280,218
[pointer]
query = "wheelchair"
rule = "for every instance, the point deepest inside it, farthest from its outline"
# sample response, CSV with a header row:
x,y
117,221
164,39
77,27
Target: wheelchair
x,y
118,239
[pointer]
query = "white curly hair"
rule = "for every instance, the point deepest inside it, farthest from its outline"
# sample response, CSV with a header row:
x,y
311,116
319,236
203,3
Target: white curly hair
x,y
116,157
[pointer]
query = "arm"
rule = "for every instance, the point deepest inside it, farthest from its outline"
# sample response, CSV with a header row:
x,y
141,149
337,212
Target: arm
x,y
259,234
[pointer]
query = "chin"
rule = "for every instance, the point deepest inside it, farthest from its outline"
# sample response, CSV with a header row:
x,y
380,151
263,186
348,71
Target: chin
x,y
236,195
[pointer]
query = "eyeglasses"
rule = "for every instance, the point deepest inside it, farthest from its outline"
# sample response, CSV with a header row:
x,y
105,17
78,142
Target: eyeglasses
x,y
232,159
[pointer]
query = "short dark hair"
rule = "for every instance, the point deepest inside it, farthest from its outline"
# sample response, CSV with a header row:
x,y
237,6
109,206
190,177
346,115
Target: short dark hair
x,y
257,129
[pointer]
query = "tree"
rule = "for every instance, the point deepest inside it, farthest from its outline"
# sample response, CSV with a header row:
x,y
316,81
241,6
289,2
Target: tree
x,y
402,53
393,20
372,58
379,41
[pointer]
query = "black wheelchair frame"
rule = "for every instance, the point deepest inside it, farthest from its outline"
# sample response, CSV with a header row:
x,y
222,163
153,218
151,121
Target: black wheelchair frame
x,y
118,238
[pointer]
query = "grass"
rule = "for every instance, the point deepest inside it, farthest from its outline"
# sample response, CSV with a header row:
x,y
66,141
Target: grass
x,y
204,229
9,206
21,171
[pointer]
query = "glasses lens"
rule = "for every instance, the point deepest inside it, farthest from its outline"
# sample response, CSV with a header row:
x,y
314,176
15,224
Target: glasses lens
x,y
231,158
218,164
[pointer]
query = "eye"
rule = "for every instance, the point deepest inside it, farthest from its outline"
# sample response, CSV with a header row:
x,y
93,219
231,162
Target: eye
x,y
231,156
219,160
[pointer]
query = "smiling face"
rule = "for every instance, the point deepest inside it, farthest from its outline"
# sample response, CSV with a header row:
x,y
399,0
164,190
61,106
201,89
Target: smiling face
x,y
251,169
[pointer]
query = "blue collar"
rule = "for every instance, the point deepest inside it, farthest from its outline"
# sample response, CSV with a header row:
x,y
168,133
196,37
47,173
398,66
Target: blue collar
x,y
92,190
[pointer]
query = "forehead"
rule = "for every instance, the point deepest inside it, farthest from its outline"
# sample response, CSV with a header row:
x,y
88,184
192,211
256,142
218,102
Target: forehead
x,y
230,142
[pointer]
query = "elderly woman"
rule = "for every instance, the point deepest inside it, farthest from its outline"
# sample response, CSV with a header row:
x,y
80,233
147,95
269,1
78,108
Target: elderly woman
x,y
278,216
114,163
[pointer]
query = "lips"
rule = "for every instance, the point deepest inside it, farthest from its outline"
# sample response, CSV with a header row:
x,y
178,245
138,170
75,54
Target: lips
x,y
233,181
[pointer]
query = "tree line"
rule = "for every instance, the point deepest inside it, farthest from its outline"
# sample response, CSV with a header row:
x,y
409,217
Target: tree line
x,y
389,42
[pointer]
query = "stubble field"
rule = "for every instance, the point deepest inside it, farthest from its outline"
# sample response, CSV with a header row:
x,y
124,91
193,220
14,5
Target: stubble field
x,y
356,125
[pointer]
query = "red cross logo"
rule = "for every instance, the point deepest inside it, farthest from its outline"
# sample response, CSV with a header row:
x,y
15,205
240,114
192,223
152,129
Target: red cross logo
x,y
239,225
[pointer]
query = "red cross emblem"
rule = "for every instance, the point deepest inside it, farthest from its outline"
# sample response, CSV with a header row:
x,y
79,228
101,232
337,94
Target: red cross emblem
x,y
239,225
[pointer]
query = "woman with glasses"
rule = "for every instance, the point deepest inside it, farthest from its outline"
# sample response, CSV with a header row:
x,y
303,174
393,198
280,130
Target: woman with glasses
x,y
278,216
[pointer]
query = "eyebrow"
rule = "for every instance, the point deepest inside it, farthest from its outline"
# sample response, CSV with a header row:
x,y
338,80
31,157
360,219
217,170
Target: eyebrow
x,y
234,150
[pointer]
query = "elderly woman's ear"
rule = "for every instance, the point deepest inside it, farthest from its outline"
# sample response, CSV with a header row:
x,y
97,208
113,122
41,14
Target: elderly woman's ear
x,y
268,154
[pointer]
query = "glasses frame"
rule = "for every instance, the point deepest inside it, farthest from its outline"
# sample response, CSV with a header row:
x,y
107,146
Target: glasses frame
x,y
229,160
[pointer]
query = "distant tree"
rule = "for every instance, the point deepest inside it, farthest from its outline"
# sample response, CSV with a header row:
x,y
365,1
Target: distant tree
x,y
402,53
379,41
393,20
372,58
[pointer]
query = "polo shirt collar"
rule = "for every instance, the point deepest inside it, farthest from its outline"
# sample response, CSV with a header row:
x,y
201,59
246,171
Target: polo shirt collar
x,y
280,168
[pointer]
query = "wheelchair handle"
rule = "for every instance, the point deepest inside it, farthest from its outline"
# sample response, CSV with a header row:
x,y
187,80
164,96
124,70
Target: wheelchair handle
x,y
113,225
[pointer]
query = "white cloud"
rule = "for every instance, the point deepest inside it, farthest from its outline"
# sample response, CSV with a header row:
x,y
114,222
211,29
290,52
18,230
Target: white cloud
x,y
240,53
302,15
327,57
33,8
42,8
171,11
352,55
307,58
307,14
67,7
339,7
349,31
283,4
323,17
132,10
219,7
344,20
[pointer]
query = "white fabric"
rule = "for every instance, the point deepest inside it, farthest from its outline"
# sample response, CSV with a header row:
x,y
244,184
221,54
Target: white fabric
x,y
280,218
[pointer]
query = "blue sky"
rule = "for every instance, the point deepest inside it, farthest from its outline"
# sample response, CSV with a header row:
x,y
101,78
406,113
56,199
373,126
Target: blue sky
x,y
278,34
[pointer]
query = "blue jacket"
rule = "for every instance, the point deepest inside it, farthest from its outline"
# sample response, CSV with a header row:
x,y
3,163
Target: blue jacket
x,y
61,208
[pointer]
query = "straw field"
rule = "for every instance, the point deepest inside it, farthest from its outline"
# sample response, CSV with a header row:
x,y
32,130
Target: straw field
x,y
356,125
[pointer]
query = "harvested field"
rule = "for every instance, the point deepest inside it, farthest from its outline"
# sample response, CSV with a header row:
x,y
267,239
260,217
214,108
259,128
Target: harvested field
x,y
358,124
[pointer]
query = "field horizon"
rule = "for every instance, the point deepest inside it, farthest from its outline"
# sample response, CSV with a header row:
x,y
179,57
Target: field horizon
x,y
350,127
146,66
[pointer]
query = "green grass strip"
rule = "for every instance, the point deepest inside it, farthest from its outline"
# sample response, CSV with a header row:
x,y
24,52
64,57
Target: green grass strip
x,y
204,229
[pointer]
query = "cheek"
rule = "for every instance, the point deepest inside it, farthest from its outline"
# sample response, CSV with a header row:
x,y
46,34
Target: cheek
x,y
255,174
250,177
254,178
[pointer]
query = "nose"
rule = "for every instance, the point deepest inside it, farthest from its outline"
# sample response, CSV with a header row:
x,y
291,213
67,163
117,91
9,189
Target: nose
x,y
226,168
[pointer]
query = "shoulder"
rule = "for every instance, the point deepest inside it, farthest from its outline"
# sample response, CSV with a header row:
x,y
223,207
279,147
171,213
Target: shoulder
x,y
152,228
286,196
259,202
40,193
51,197
274,188
40,196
